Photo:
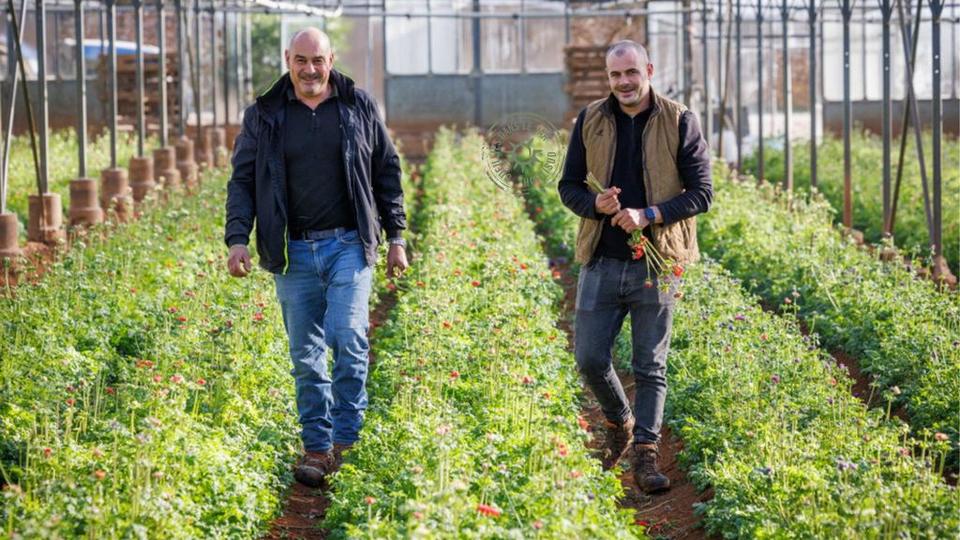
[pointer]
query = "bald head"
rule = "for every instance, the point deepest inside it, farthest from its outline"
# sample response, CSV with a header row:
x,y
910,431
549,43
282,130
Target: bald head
x,y
310,61
311,38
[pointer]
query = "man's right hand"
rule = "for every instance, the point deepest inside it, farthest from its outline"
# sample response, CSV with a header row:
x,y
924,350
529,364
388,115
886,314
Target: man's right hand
x,y
239,261
608,202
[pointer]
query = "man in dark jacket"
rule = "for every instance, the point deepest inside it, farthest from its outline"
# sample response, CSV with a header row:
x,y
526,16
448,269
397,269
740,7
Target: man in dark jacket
x,y
315,168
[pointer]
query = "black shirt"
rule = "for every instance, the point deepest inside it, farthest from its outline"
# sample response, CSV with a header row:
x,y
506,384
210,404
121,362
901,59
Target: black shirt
x,y
693,164
313,154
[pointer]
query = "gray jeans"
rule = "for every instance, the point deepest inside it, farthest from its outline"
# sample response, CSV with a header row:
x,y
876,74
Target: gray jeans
x,y
607,290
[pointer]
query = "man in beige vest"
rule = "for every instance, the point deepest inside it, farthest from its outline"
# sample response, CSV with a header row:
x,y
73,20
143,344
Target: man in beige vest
x,y
650,155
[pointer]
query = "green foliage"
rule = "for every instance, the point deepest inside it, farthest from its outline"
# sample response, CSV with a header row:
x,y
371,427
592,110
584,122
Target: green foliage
x,y
902,330
144,392
473,396
910,230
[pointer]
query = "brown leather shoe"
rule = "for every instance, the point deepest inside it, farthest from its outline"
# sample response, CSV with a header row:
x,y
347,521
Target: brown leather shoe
x,y
314,467
645,471
616,440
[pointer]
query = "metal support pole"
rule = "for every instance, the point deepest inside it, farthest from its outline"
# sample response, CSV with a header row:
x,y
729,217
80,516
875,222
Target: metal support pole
x,y
707,106
847,11
181,66
112,37
227,119
886,10
739,91
18,74
687,53
197,72
721,89
812,21
760,175
477,71
141,120
787,98
248,55
44,114
936,10
214,63
162,46
81,90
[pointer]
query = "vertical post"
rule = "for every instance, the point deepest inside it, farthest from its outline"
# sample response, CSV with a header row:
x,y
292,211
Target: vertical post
x,y
812,22
42,98
787,97
162,46
181,67
687,53
886,10
739,91
81,90
248,30
707,106
227,120
760,174
721,72
197,76
846,11
213,62
429,41
936,11
112,37
138,28
477,72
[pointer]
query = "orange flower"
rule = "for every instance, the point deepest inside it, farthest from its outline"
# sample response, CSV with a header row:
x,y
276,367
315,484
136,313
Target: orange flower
x,y
488,510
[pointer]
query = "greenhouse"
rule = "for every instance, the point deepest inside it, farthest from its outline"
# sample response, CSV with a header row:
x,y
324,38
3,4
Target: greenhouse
x,y
479,269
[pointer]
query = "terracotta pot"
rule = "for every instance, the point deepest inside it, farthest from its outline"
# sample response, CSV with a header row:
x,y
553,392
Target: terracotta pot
x,y
141,176
188,173
184,146
9,243
233,131
84,205
165,167
115,195
48,227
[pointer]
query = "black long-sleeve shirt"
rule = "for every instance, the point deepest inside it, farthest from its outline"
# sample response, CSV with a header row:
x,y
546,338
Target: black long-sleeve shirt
x,y
693,164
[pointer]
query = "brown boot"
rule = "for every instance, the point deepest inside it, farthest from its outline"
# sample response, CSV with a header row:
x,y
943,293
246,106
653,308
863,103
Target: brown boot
x,y
313,468
645,471
616,440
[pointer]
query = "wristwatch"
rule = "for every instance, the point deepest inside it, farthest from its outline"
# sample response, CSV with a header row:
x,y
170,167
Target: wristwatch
x,y
397,242
649,214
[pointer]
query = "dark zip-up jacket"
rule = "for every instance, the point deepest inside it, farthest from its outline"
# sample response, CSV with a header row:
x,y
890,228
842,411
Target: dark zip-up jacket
x,y
257,187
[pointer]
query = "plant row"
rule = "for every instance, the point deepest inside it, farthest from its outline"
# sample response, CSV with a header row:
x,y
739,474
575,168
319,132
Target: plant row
x,y
768,421
143,391
910,230
903,330
472,429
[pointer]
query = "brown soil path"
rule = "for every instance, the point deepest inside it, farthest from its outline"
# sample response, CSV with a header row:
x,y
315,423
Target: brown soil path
x,y
666,515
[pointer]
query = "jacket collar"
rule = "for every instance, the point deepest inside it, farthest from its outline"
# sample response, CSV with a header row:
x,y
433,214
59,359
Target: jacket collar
x,y
271,101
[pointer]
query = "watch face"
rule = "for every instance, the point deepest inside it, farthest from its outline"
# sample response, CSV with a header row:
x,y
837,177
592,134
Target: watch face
x,y
650,214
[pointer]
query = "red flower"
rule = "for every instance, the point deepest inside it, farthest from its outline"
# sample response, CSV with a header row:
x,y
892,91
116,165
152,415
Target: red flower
x,y
488,510
201,381
157,378
391,287
144,364
562,449
71,402
172,309
584,425
111,390
556,274
677,270
454,374
446,324
775,379
643,523
258,316
176,378
538,524
99,474
475,283
182,318
527,380
457,272
421,284
523,266
47,452
575,474
648,284
763,337
369,500
133,290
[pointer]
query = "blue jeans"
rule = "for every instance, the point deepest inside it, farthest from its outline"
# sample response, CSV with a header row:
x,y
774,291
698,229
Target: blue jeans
x,y
324,297
607,290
